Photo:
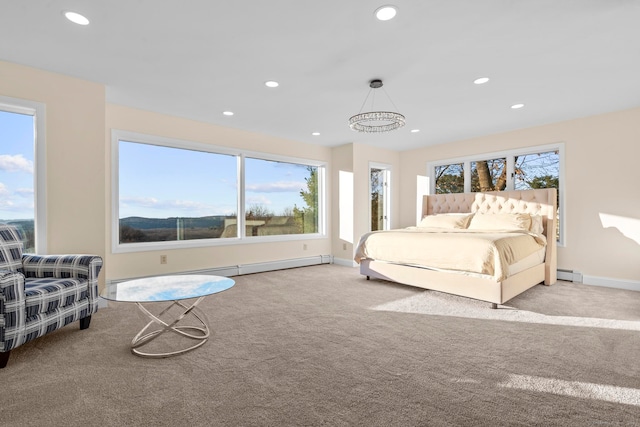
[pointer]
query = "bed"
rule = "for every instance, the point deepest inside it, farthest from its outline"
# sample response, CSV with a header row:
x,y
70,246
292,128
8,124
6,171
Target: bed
x,y
397,258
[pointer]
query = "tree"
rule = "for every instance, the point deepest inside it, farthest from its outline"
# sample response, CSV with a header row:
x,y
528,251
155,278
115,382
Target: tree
x,y
308,215
546,181
449,179
129,234
489,175
256,211
376,190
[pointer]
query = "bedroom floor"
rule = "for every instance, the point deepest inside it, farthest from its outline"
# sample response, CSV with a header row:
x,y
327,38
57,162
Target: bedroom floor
x,y
322,345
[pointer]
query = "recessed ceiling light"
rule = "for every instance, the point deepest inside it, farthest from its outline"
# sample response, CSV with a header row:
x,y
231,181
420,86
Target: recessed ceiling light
x,y
228,113
76,18
271,83
481,80
415,130
315,133
387,12
516,106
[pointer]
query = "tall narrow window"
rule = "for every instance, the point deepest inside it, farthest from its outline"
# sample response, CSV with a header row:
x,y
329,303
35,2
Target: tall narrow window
x,y
449,178
281,198
169,194
379,177
17,174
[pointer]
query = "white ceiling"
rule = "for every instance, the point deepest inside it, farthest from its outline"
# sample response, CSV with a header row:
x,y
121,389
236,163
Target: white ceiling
x,y
562,58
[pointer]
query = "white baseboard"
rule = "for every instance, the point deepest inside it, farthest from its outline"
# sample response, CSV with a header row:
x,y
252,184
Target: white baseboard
x,y
607,282
345,262
281,265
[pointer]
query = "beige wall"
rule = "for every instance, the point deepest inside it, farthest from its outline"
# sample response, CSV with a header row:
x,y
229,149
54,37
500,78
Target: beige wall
x,y
356,159
78,129
75,169
342,214
126,265
601,176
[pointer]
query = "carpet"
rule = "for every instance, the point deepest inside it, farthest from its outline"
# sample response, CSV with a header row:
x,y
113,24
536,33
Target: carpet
x,y
322,346
442,304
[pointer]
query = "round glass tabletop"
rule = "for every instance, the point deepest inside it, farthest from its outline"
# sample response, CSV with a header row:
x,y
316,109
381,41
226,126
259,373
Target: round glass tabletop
x,y
166,288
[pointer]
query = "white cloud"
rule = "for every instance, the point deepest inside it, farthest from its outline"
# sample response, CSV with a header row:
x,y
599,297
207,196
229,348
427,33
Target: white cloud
x,y
258,200
147,202
152,202
171,207
15,163
25,192
6,204
276,187
15,207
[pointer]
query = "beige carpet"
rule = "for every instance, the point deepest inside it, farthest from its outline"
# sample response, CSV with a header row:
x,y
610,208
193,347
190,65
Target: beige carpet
x,y
322,346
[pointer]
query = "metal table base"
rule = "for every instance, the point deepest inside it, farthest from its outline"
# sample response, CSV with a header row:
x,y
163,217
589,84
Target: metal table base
x,y
198,333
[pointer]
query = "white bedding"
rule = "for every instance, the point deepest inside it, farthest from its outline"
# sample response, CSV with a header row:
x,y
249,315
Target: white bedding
x,y
496,254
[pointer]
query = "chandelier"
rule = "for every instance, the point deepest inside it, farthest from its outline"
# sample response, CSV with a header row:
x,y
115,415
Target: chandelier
x,y
376,121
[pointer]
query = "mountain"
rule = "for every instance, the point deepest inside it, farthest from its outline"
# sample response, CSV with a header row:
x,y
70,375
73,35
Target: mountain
x,y
142,223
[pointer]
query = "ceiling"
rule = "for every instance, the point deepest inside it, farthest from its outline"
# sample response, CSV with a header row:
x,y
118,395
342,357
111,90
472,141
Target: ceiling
x,y
195,59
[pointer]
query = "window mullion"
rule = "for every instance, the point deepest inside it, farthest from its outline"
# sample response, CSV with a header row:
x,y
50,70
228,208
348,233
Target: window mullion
x,y
511,169
467,176
241,198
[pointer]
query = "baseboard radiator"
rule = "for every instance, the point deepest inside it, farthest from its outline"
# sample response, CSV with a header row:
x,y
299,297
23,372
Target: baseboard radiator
x,y
260,267
570,276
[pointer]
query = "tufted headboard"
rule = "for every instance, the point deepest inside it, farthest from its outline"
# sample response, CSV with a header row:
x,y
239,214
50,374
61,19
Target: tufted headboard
x,y
535,202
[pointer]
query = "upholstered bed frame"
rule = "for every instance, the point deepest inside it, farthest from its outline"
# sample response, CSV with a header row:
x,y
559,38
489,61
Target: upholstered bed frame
x,y
541,202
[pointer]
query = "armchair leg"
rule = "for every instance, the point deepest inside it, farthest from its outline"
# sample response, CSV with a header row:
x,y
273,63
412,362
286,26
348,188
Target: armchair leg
x,y
4,358
84,322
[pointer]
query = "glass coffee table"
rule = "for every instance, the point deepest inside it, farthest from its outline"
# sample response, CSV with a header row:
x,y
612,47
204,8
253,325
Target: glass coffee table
x,y
174,290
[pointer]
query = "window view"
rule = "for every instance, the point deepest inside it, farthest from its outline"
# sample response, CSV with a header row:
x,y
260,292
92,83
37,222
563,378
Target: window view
x,y
489,175
449,178
280,198
183,192
539,170
17,203
514,171
378,181
175,194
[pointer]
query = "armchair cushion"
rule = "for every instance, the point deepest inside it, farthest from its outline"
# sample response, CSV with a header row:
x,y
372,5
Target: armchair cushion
x,y
47,294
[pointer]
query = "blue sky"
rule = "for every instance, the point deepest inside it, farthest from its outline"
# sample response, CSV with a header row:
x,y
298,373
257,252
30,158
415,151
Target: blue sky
x,y
159,182
16,166
155,181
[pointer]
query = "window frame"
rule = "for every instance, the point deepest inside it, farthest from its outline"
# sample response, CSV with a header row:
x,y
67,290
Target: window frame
x,y
38,111
510,165
386,203
135,137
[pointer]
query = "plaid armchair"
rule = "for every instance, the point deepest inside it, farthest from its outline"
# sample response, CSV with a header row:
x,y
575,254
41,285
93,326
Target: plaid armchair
x,y
41,293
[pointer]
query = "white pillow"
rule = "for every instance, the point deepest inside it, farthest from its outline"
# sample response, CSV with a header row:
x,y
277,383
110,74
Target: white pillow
x,y
450,220
501,221
536,224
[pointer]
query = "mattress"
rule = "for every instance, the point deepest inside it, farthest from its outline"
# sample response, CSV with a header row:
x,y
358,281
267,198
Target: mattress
x,y
493,254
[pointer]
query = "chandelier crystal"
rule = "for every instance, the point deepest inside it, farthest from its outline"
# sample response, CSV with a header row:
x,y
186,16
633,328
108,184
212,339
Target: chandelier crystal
x,y
376,121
